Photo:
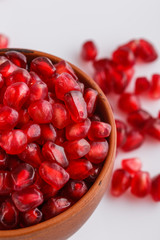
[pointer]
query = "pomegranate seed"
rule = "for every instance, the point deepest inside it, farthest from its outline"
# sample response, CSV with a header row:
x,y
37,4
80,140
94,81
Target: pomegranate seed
x,y
1,81
75,189
48,133
17,58
24,118
61,117
79,169
8,118
103,64
142,85
33,131
41,111
22,176
8,214
76,106
131,165
121,133
27,199
55,153
98,151
31,217
124,56
121,181
154,128
3,41
95,172
90,97
77,148
32,155
100,78
134,139
89,51
129,72
34,78
5,183
55,206
3,159
53,174
145,51
64,67
120,81
141,183
155,86
13,162
13,142
99,130
19,75
48,191
128,102
7,67
38,91
78,130
155,188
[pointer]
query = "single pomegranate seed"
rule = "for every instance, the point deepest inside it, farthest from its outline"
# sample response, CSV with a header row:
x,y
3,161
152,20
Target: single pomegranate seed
x,y
31,217
22,176
78,130
8,214
64,84
154,128
124,56
79,169
63,66
77,148
53,174
24,118
1,81
76,106
41,111
32,155
155,188
19,75
5,183
48,191
155,87
134,139
13,142
48,133
90,97
98,151
95,172
27,199
38,91
61,117
133,45
89,51
8,118
17,58
141,183
6,67
3,41
55,153
55,206
120,81
16,95
121,133
99,130
75,189
128,102
60,137
3,159
145,51
142,85
131,165
13,162
121,181
33,131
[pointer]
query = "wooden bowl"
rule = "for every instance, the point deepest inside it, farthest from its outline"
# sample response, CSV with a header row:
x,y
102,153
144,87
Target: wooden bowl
x,y
64,225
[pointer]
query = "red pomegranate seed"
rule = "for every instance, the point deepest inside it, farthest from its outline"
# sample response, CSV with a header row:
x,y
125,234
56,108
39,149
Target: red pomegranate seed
x,y
24,118
6,67
121,133
120,81
41,111
16,95
61,117
90,97
134,139
101,79
76,106
8,118
48,133
1,81
19,75
34,78
22,176
129,72
103,64
55,206
75,189
142,85
145,51
64,67
99,130
38,91
128,102
121,181
155,87
124,56
48,191
13,162
33,131
32,155
3,41
78,130
77,148
89,51
5,183
98,151
18,58
55,153
154,128
8,214
13,142
53,174
131,165
155,188
3,159
79,169
141,183
27,199
31,217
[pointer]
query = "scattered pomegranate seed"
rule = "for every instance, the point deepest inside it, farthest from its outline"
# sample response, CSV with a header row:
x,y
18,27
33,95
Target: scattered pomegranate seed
x,y
31,217
128,102
121,133
145,51
3,41
124,57
120,81
131,165
18,58
101,79
134,139
142,85
141,184
99,130
155,87
155,188
89,51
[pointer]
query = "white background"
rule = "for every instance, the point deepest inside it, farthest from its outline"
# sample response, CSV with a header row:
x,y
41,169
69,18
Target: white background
x,y
59,27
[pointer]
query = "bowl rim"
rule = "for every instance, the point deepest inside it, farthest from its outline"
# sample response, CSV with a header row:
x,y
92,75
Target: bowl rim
x,y
107,167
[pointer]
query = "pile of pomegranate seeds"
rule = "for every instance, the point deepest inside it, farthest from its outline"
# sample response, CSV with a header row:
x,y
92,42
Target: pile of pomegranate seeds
x,y
50,139
114,75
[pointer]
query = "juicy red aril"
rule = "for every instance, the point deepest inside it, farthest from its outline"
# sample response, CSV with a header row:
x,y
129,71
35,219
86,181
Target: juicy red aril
x,y
134,139
90,97
19,75
55,153
99,130
142,85
7,67
155,87
75,189
121,133
41,111
48,191
131,165
8,118
13,142
124,56
22,176
89,51
79,169
8,214
120,81
17,58
24,118
48,133
77,148
53,174
128,102
146,51
154,128
38,91
33,131
121,181
141,183
98,151
3,41
3,159
76,106
31,217
63,66
5,183
27,199
61,117
155,188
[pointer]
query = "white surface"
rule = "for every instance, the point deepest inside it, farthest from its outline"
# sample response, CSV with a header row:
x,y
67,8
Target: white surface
x,y
59,27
